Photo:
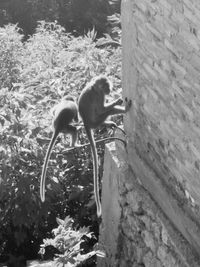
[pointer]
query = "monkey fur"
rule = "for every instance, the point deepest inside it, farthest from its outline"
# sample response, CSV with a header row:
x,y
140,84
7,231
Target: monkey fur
x,y
94,112
64,114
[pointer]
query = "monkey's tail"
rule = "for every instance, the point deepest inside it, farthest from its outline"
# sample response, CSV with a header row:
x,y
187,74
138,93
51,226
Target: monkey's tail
x,y
95,170
44,169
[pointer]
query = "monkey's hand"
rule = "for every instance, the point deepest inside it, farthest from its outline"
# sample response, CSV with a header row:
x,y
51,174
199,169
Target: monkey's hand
x,y
119,101
128,104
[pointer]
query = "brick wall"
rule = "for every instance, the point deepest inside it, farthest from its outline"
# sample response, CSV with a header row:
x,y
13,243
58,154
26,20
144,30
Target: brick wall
x,y
134,231
161,50
161,64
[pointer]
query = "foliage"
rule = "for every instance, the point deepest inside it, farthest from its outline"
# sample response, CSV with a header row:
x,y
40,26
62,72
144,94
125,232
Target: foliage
x,y
115,26
23,218
10,49
77,16
69,244
37,74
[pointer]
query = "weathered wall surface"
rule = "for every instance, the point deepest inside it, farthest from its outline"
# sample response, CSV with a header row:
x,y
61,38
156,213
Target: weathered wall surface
x,y
134,231
161,74
163,52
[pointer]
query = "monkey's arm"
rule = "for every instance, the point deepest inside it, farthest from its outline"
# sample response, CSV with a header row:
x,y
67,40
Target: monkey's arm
x,y
109,106
116,109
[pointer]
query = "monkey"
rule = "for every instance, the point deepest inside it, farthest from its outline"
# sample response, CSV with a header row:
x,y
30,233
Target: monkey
x,y
64,114
94,112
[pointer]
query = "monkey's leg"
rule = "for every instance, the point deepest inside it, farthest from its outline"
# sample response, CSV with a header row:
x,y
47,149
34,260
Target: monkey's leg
x,y
115,110
109,123
113,124
72,130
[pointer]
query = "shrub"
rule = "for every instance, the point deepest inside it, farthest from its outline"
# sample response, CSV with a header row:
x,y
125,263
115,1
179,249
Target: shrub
x,y
70,244
77,16
23,218
47,65
10,50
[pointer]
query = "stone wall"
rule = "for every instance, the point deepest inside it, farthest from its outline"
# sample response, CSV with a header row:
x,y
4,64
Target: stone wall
x,y
157,218
135,232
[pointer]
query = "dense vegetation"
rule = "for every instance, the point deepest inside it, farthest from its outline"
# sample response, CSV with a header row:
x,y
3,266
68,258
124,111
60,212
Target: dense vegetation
x,y
34,76
77,16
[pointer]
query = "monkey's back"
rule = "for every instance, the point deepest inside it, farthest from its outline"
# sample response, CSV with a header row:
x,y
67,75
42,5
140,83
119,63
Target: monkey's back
x,y
65,113
88,106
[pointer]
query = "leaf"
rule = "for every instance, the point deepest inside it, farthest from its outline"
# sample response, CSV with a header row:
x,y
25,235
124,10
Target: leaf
x,y
2,121
60,222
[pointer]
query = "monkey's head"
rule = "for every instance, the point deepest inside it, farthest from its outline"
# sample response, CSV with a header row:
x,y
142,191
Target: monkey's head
x,y
102,83
69,98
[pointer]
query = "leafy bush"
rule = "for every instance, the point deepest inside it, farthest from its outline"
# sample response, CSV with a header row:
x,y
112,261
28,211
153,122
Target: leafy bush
x,y
44,68
10,49
23,218
77,16
69,244
61,62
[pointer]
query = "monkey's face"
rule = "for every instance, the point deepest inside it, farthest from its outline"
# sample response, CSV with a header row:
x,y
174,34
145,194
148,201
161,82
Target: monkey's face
x,y
104,85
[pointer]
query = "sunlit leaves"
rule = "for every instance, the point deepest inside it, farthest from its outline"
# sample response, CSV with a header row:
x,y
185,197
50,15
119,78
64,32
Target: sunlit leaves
x,y
69,242
10,50
35,75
